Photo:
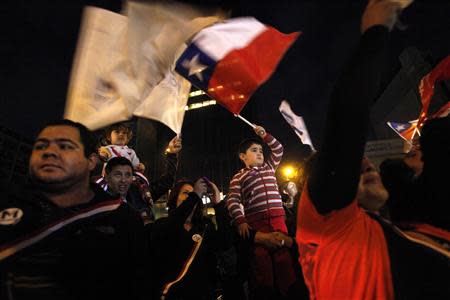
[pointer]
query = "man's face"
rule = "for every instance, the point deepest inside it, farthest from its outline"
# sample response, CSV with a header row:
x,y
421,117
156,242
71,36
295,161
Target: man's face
x,y
371,192
57,160
119,179
119,137
253,157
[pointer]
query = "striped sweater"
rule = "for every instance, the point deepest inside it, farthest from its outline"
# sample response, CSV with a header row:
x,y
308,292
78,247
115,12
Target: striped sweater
x,y
256,189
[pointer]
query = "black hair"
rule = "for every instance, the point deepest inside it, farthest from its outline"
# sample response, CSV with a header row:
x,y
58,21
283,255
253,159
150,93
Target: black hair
x,y
175,191
435,140
87,137
117,161
247,143
119,126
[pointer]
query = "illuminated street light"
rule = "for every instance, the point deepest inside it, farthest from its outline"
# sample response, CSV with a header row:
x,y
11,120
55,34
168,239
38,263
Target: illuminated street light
x,y
289,172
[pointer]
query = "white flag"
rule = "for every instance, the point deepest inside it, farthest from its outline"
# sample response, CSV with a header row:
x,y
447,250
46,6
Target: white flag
x,y
93,98
156,32
296,123
167,101
120,60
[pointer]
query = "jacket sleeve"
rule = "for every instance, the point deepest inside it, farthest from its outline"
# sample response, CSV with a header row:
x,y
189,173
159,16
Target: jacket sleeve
x,y
276,151
234,201
169,225
335,172
161,185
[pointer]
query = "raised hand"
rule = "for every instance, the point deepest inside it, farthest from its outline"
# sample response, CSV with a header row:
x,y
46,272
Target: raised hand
x,y
260,131
200,187
174,145
216,193
382,12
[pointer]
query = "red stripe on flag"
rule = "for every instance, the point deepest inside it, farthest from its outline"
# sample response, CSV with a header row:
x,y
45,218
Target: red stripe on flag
x,y
408,134
427,84
238,75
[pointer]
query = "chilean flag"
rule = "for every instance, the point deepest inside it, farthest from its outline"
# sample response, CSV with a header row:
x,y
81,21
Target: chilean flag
x,y
406,131
231,59
427,84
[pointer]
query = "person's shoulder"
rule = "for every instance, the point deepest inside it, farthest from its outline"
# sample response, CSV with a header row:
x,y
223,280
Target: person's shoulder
x,y
20,212
239,174
128,148
103,198
15,194
100,195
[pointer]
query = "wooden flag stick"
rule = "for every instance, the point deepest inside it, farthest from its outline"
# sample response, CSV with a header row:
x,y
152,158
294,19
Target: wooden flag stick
x,y
246,121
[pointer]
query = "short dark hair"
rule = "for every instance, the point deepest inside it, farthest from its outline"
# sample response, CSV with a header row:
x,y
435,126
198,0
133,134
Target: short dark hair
x,y
87,137
247,143
173,196
117,161
119,126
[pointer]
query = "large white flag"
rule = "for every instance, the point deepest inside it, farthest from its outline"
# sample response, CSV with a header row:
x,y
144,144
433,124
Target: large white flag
x,y
94,98
124,64
296,123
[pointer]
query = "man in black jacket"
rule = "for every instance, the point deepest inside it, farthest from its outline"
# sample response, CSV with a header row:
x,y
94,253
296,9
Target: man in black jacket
x,y
63,238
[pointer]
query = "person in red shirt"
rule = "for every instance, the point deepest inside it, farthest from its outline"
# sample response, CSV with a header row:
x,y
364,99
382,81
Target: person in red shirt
x,y
346,250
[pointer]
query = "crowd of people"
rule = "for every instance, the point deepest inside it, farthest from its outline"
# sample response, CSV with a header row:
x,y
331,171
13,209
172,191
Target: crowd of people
x,y
354,233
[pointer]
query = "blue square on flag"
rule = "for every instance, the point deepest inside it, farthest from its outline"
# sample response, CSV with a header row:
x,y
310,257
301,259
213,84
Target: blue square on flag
x,y
400,126
196,66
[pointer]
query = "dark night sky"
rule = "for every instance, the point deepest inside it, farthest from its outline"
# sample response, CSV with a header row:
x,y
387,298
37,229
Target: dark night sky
x,y
40,36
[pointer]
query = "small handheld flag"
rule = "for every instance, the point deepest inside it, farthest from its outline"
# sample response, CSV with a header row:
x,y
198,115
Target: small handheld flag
x,y
406,131
296,123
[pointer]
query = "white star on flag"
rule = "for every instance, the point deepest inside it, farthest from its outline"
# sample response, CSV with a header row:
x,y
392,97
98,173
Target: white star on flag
x,y
401,127
195,67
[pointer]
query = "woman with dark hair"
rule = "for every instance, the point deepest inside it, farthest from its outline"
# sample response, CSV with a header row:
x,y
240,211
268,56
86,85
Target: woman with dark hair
x,y
184,244
179,193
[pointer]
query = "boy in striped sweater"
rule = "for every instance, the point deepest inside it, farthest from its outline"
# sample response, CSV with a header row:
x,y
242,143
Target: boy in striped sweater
x,y
255,204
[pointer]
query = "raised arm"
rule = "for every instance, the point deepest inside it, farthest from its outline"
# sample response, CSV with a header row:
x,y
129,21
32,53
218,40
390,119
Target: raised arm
x,y
276,149
335,171
160,186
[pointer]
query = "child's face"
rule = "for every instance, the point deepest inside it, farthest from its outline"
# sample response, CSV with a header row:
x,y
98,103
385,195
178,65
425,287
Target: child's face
x,y
119,137
253,157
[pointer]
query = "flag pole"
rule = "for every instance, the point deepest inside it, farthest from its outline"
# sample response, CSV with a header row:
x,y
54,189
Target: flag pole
x,y
246,121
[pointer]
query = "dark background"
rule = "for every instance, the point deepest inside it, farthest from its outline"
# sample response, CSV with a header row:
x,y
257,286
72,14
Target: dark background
x,y
39,39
